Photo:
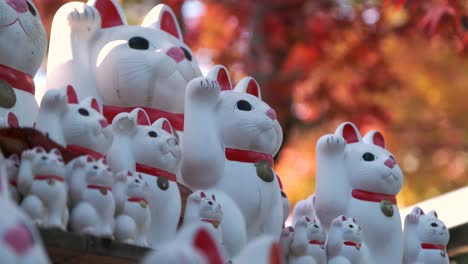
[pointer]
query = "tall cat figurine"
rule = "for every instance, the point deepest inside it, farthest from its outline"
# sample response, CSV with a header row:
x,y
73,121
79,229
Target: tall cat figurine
x,y
358,177
153,151
345,242
308,245
23,43
78,125
425,238
94,49
21,241
41,179
304,208
231,136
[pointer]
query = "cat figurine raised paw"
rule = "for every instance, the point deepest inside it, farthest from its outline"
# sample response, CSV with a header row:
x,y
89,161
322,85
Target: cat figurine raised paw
x,y
94,211
308,244
41,179
359,177
24,42
425,238
344,242
134,218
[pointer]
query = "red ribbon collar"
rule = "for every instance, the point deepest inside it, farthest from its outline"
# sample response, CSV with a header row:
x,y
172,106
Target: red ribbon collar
x,y
17,79
137,200
49,177
176,120
13,183
155,172
99,187
352,243
247,156
432,246
316,242
372,196
75,149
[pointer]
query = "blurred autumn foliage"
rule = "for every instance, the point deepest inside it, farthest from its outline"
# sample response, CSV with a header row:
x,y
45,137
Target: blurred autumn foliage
x,y
396,65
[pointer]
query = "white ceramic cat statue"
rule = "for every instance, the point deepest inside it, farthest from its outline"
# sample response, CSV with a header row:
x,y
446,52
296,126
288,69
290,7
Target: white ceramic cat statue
x,y
12,167
358,177
202,208
230,139
133,220
153,151
41,179
23,40
148,66
308,244
425,239
94,211
345,242
262,250
21,242
193,245
79,126
304,208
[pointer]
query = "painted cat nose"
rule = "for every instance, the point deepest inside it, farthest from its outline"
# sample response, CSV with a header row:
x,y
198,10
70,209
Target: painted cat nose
x,y
103,123
271,114
19,239
176,53
390,163
19,5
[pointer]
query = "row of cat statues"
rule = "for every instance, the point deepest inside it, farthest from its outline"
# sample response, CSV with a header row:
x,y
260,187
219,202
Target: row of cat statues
x,y
133,106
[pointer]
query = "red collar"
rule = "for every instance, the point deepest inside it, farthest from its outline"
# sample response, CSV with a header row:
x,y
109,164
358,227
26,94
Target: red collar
x,y
372,196
48,177
17,79
352,243
432,246
247,156
155,172
137,200
316,242
99,187
75,149
13,183
176,120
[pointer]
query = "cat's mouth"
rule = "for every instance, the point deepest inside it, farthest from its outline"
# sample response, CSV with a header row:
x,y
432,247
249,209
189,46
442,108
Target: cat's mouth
x,y
14,22
391,177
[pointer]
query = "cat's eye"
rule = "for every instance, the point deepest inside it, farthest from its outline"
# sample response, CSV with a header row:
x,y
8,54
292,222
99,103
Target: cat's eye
x,y
31,9
244,105
316,226
152,134
163,183
434,225
138,43
83,112
187,54
44,157
351,226
368,156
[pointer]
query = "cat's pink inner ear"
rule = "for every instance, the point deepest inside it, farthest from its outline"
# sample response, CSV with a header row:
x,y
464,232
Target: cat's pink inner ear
x,y
169,25
110,16
129,173
343,218
202,195
223,80
95,105
253,88
349,134
205,243
214,197
378,139
12,120
57,152
167,126
142,118
39,150
71,94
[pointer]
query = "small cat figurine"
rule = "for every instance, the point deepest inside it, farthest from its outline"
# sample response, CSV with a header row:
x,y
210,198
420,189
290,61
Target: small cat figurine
x,y
12,167
308,245
93,48
133,219
41,179
21,241
153,151
345,242
359,177
425,238
24,42
230,138
79,126
94,211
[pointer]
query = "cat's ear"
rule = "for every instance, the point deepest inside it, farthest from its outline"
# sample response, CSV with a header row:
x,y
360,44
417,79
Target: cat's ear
x,y
339,220
249,85
111,13
56,152
349,132
433,214
417,211
140,116
162,17
164,124
375,137
95,105
221,74
12,120
71,95
127,123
